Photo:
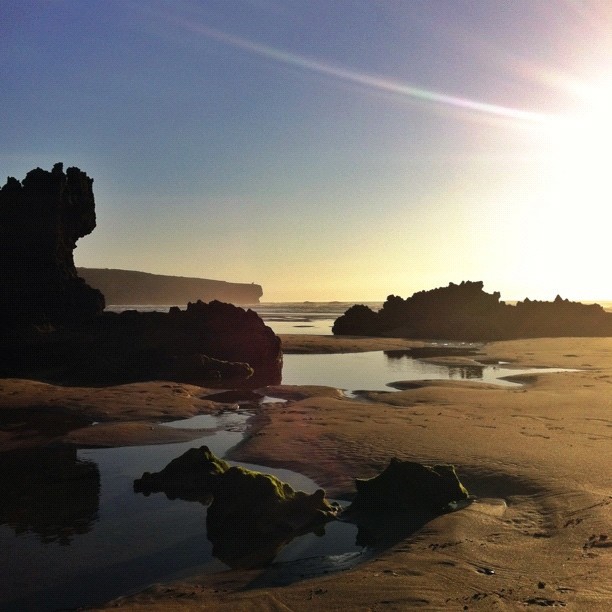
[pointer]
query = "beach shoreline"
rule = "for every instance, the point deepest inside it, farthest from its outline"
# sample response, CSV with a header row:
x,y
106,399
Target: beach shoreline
x,y
534,455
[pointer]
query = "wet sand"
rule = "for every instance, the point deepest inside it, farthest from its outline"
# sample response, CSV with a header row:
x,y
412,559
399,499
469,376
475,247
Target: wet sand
x,y
539,457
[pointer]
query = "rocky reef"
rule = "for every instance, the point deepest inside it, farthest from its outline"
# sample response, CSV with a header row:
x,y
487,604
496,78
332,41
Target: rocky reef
x,y
51,322
251,515
465,312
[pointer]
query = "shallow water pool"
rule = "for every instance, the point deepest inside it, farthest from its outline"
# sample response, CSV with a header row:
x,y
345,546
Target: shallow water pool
x,y
375,370
91,538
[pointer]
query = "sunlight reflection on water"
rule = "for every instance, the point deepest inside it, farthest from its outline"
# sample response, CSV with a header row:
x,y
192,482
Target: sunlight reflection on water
x,y
375,370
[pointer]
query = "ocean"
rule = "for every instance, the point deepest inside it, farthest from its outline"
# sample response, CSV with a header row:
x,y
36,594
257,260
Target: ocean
x,y
282,317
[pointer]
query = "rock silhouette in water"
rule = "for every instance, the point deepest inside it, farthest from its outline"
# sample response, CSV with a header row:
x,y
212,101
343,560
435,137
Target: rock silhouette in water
x,y
466,312
51,322
41,219
251,515
49,492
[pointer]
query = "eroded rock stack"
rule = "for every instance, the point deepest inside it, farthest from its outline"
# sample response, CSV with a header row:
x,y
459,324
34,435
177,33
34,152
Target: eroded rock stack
x,y
41,219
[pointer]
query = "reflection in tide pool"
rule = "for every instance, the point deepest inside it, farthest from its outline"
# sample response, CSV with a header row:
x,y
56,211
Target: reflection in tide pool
x,y
375,370
87,537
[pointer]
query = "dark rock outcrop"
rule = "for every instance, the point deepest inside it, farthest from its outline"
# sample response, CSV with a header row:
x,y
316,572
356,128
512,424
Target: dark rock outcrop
x,y
399,501
358,320
407,486
41,219
203,344
207,344
51,322
141,288
251,515
465,312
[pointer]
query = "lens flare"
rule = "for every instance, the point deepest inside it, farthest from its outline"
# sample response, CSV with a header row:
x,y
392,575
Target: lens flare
x,y
367,80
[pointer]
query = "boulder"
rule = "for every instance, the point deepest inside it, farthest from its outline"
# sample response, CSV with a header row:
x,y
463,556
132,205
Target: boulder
x,y
251,515
407,486
358,320
192,476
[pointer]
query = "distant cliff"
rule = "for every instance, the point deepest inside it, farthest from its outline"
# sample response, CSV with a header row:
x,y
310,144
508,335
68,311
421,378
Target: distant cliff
x,y
139,288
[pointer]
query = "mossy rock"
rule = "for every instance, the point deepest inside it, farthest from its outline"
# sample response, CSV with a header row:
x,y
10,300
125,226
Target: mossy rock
x,y
251,515
192,476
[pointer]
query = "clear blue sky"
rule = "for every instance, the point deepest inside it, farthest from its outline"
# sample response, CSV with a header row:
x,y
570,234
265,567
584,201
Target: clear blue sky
x,y
325,149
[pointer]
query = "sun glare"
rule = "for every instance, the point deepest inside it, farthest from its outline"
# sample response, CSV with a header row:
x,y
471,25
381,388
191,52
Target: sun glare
x,y
565,221
581,145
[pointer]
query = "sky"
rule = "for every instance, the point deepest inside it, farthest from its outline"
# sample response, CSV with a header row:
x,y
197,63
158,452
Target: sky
x,y
326,150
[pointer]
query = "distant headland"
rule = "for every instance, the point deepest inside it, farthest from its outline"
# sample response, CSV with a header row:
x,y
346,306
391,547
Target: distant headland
x,y
139,288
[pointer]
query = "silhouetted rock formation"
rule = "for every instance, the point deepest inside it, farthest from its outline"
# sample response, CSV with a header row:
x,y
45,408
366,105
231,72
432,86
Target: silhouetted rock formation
x,y
140,288
52,325
207,344
466,312
252,515
406,486
41,220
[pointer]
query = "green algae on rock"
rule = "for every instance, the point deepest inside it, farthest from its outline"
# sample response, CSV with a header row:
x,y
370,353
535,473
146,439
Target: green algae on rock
x,y
251,515
191,476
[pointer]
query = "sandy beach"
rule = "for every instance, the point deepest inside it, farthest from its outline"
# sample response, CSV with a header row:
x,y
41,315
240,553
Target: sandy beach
x,y
538,458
